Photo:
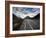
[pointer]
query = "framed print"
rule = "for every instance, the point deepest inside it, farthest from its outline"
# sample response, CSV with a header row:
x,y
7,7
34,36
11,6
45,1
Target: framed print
x,y
24,18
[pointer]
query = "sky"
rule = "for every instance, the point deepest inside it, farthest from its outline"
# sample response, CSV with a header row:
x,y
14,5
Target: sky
x,y
27,10
31,10
22,12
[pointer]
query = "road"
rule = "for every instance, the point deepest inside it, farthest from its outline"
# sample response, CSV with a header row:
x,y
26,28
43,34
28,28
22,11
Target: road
x,y
27,23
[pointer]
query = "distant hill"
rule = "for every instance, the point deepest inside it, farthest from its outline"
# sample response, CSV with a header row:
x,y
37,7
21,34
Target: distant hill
x,y
27,17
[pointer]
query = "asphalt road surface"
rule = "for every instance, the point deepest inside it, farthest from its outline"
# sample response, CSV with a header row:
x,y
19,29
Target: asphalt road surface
x,y
27,23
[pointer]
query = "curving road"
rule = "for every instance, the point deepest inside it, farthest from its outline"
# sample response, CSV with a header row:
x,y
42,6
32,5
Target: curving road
x,y
27,23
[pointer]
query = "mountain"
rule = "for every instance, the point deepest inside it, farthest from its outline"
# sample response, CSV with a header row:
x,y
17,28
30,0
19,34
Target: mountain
x,y
18,23
22,15
27,17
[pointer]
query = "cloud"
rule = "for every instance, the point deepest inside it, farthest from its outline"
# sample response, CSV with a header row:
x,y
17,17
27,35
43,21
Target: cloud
x,y
23,12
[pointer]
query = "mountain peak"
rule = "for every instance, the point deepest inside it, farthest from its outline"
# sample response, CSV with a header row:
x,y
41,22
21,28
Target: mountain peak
x,y
27,17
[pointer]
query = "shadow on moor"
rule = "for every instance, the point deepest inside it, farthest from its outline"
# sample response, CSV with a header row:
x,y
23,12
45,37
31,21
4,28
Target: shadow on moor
x,y
26,23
